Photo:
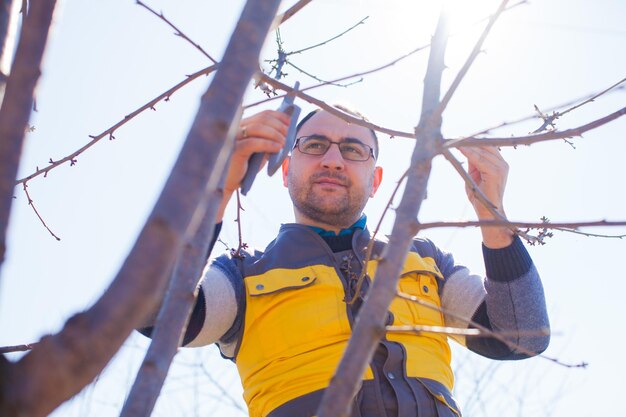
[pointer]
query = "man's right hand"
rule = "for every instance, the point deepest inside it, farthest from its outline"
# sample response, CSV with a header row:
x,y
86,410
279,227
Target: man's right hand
x,y
263,132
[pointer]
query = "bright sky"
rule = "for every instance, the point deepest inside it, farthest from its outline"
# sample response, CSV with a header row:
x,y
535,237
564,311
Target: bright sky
x,y
107,58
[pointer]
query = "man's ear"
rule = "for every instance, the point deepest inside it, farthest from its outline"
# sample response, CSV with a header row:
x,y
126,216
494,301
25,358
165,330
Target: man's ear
x,y
285,170
378,178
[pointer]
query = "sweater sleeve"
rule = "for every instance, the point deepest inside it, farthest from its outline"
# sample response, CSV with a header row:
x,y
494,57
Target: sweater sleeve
x,y
215,307
510,299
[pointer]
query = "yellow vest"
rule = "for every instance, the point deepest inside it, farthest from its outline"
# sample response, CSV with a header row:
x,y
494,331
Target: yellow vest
x,y
297,326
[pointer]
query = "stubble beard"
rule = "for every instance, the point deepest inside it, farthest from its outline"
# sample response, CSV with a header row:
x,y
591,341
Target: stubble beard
x,y
340,208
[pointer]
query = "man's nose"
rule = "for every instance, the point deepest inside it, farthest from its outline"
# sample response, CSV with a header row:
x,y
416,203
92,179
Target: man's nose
x,y
332,159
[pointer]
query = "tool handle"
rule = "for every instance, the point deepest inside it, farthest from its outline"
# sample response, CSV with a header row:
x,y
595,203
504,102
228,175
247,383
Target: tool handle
x,y
254,165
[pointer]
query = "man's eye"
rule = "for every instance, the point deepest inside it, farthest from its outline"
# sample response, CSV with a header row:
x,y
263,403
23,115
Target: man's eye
x,y
313,144
353,149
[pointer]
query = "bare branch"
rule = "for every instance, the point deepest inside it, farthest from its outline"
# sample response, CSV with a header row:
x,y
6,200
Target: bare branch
x,y
370,322
177,32
471,58
549,120
421,328
236,253
338,80
17,348
60,365
178,303
589,100
535,116
360,22
288,14
370,245
323,81
17,103
570,227
530,139
488,332
321,104
109,132
225,393
32,205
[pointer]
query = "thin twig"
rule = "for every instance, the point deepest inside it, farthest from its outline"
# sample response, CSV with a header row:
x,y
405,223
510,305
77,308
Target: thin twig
x,y
207,374
237,253
32,205
177,32
485,330
589,100
549,120
347,77
323,81
17,348
470,59
535,116
282,59
530,139
109,132
360,22
373,70
370,245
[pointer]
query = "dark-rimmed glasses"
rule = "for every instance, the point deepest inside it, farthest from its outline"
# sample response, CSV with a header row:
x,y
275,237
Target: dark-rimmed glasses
x,y
351,149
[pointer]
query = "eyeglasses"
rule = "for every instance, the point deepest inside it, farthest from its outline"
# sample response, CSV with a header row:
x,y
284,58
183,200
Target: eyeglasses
x,y
351,149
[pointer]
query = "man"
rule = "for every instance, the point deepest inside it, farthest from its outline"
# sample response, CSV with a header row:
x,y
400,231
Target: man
x,y
285,315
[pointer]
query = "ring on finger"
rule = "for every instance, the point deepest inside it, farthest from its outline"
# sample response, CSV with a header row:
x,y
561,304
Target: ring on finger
x,y
244,132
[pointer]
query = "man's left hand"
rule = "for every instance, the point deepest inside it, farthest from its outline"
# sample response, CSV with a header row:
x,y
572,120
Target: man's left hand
x,y
489,170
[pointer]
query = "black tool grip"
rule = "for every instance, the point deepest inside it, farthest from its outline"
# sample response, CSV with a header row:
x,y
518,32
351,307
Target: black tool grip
x,y
254,165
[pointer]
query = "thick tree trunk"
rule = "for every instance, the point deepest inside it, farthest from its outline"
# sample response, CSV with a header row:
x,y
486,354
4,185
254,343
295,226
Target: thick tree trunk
x,y
177,306
18,101
60,365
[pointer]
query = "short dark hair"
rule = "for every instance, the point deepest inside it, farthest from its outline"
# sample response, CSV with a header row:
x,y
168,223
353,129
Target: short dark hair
x,y
345,110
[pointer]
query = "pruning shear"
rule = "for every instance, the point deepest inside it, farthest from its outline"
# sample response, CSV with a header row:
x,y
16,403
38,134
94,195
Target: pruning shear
x,y
276,159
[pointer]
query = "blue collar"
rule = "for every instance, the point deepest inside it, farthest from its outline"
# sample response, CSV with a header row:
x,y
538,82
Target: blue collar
x,y
359,224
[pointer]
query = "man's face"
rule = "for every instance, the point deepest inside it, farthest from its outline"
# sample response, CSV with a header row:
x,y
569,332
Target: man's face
x,y
328,189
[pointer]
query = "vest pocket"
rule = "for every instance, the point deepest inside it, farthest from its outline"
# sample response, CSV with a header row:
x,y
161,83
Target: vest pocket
x,y
290,311
423,286
274,283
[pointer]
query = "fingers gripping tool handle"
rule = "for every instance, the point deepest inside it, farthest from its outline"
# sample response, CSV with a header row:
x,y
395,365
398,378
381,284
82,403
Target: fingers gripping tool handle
x,y
276,159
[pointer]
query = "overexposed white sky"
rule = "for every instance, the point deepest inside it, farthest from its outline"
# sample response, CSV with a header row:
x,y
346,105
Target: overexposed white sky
x,y
105,59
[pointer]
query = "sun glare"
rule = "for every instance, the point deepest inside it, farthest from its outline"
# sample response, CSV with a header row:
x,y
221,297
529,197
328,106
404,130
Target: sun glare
x,y
410,22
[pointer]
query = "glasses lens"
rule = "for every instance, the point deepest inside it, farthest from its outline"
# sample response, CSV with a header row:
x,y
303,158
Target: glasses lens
x,y
354,151
313,145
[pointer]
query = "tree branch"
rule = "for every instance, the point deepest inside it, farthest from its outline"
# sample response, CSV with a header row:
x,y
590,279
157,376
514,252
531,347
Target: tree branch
x,y
321,104
18,102
109,132
530,139
308,48
470,60
570,227
60,365
370,322
490,333
288,14
549,120
177,32
32,205
551,109
179,300
17,348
